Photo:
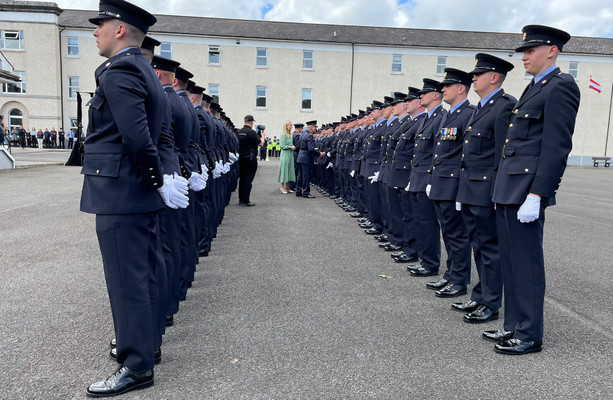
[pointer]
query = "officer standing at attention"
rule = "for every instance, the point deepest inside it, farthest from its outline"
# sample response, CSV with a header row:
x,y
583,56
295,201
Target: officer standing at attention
x,y
306,158
481,152
247,160
296,142
443,183
429,237
124,186
533,161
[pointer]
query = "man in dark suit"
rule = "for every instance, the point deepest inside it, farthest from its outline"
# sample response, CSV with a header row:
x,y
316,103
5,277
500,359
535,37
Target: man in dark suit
x,y
296,142
534,157
247,160
306,158
124,186
442,185
482,148
429,237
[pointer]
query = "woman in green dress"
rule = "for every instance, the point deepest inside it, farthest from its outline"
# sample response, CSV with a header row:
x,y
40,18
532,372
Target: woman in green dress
x,y
286,164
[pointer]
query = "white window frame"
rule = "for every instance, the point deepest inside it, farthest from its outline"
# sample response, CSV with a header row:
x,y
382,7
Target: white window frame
x,y
21,85
397,60
166,53
72,46
15,37
307,95
72,88
261,60
214,49
441,64
574,72
261,92
306,59
214,92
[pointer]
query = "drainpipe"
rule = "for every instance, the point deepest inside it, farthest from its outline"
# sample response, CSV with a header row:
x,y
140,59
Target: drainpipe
x,y
61,81
351,83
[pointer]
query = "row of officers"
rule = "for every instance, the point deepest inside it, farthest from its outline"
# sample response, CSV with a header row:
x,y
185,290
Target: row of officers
x,y
159,166
480,176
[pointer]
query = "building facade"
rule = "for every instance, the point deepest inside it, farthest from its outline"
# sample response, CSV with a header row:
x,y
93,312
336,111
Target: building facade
x,y
278,71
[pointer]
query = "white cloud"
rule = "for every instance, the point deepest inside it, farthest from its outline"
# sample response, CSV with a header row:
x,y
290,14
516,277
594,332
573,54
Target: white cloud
x,y
586,18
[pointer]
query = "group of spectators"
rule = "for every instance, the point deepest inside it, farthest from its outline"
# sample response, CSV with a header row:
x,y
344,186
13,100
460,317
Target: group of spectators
x,y
42,139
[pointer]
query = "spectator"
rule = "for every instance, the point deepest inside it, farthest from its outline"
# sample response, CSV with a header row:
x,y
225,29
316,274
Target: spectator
x,y
53,134
70,136
286,164
40,138
22,137
47,138
61,136
33,140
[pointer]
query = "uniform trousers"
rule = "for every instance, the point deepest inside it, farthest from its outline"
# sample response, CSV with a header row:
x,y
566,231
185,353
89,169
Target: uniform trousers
x,y
374,205
128,246
247,172
170,229
306,173
480,222
384,207
362,195
456,242
429,237
523,272
188,245
395,230
409,227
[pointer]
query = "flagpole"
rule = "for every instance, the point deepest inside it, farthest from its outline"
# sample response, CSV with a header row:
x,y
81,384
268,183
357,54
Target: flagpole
x,y
587,112
608,122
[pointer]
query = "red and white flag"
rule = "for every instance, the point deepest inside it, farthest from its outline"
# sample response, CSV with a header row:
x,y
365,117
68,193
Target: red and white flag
x,y
595,85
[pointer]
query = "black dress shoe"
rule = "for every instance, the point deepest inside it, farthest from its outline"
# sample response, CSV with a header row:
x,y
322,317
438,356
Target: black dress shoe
x,y
170,321
414,266
397,254
350,209
404,259
392,247
497,335
421,271
372,231
366,225
308,196
356,215
362,220
247,204
467,306
516,346
378,237
157,355
451,290
113,342
481,315
122,381
437,285
334,197
383,244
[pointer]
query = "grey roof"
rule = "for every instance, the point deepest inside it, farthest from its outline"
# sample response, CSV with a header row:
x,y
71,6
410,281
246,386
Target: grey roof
x,y
342,34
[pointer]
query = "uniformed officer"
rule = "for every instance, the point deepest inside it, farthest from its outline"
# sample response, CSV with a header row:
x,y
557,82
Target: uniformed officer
x,y
293,186
248,161
482,148
429,237
443,181
306,158
124,186
534,157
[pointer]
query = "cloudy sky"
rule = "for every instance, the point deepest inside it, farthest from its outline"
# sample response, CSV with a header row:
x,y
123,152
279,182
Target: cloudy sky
x,y
580,18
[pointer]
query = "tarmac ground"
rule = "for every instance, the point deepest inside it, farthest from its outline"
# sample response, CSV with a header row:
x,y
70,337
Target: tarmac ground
x,y
290,304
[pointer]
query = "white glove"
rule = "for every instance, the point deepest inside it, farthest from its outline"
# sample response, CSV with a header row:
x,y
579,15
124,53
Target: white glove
x,y
204,168
408,187
233,157
458,206
329,165
328,154
180,183
165,190
178,194
196,182
217,170
352,174
428,188
529,211
374,178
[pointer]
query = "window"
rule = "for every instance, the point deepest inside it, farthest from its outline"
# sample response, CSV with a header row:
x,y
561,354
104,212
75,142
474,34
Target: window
x,y
214,92
441,64
15,118
19,87
261,59
307,96
213,55
573,69
307,59
11,40
166,50
397,63
72,46
260,97
73,87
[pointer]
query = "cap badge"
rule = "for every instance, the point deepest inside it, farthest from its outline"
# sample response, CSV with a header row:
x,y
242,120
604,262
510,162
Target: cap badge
x,y
524,37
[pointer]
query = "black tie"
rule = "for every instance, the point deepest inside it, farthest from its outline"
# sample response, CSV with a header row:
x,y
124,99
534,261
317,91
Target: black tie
x,y
478,106
531,84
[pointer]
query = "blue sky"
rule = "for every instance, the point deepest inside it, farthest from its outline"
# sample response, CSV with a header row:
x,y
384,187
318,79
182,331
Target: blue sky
x,y
585,18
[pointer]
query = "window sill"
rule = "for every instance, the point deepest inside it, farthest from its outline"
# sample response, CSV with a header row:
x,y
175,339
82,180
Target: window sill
x,y
308,69
261,67
306,111
397,73
261,108
214,65
67,56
